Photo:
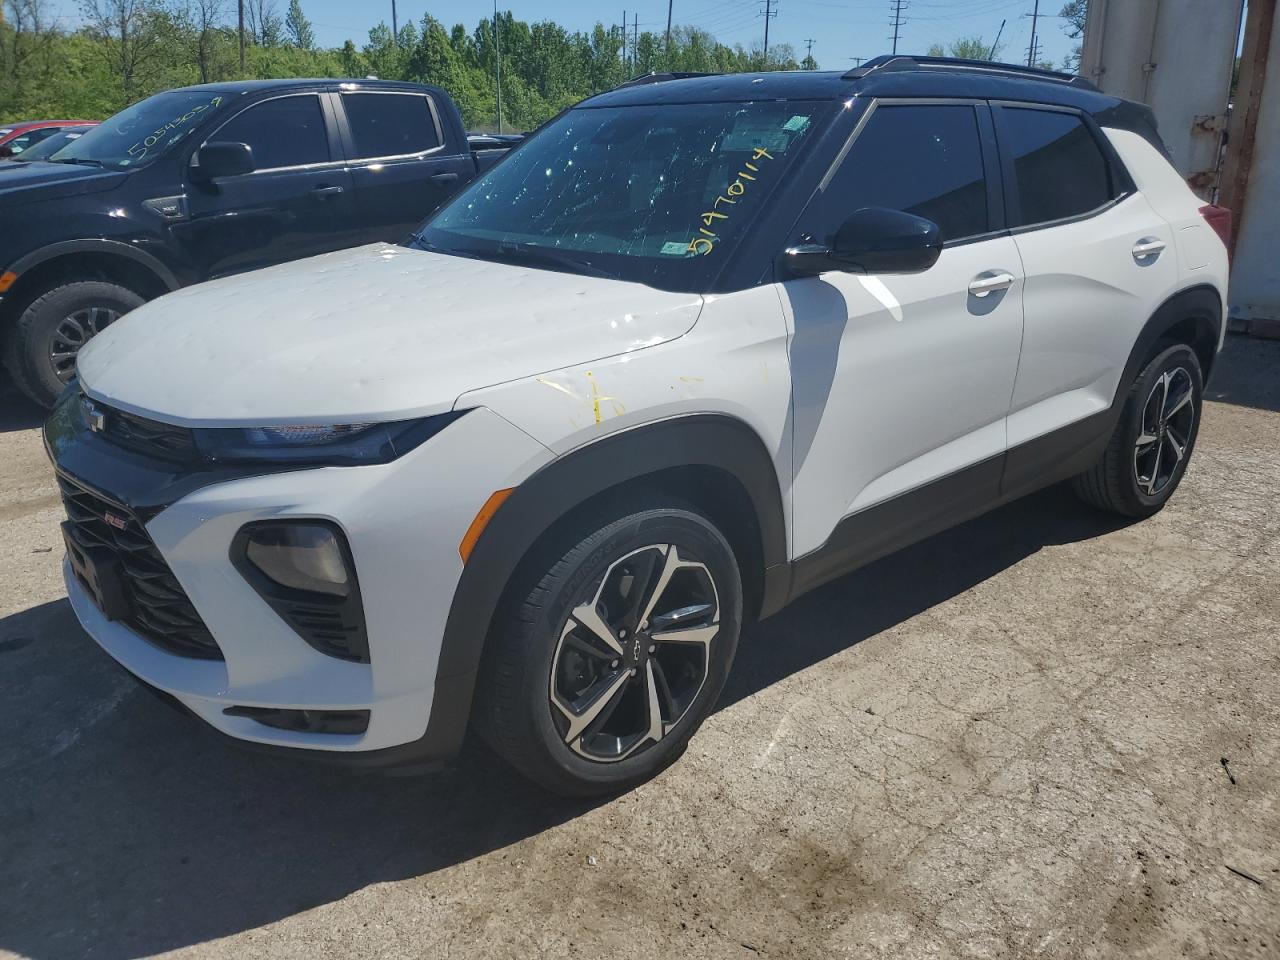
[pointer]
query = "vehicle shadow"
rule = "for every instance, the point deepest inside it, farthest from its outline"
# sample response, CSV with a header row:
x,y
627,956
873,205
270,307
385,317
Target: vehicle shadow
x,y
16,411
127,831
1246,374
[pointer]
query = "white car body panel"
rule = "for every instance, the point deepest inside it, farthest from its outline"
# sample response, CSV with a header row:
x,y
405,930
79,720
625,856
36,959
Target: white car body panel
x,y
899,380
407,562
279,345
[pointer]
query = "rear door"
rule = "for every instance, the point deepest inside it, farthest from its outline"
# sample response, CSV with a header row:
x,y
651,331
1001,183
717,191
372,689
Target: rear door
x,y
400,160
296,203
901,381
1098,261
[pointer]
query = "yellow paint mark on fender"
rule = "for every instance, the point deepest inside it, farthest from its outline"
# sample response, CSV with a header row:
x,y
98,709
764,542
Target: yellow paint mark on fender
x,y
597,397
558,386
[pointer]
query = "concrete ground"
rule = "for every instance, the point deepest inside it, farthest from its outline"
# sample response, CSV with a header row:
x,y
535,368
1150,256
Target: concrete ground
x,y
1044,734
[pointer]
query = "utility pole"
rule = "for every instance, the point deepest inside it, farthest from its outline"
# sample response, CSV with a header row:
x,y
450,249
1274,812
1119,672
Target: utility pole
x,y
241,37
992,54
635,43
497,61
769,14
625,72
898,7
1031,50
395,24
808,51
669,5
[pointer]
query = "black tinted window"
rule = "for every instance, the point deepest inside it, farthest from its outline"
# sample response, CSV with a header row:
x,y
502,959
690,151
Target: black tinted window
x,y
1060,169
925,160
286,132
389,124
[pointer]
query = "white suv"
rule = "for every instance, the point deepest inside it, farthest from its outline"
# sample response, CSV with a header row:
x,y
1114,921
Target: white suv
x,y
698,346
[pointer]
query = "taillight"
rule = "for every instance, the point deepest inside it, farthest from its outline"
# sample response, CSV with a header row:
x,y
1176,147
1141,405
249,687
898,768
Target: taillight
x,y
1219,220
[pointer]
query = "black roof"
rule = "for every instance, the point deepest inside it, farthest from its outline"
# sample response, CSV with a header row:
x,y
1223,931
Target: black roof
x,y
898,76
234,88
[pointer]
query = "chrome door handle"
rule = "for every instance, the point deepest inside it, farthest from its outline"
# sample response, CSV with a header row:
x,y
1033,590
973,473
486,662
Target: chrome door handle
x,y
326,191
986,283
1147,247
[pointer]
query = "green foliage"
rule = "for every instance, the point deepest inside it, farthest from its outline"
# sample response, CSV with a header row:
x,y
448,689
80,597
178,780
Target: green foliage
x,y
102,67
969,48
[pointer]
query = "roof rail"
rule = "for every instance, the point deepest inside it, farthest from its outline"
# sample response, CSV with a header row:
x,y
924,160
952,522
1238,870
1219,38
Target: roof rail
x,y
887,63
653,77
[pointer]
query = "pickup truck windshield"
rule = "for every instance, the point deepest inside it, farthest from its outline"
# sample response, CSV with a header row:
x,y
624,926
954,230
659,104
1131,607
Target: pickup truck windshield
x,y
654,194
138,134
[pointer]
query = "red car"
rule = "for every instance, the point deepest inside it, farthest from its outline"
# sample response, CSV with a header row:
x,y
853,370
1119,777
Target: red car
x,y
16,137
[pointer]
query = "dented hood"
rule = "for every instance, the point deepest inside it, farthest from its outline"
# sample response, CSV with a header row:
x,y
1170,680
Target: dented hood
x,y
375,333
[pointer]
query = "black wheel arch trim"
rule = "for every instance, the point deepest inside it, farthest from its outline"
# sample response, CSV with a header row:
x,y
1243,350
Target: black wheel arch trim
x,y
1200,302
697,440
97,245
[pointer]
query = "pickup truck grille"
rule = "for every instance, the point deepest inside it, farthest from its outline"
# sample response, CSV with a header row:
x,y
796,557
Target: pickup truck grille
x,y
159,609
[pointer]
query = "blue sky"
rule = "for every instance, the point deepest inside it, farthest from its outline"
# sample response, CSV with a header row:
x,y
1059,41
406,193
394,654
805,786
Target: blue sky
x,y
841,29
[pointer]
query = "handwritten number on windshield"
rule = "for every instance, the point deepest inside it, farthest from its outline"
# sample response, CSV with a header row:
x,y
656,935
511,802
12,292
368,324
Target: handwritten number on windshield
x,y
705,242
139,149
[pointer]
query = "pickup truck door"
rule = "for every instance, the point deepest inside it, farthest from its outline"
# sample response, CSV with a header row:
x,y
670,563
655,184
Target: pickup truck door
x,y
296,203
401,159
901,383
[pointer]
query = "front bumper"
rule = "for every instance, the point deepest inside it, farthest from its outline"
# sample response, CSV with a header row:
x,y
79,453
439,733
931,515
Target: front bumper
x,y
403,521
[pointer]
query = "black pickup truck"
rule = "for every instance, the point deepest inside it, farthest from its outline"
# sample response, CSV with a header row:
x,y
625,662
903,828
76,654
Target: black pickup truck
x,y
205,181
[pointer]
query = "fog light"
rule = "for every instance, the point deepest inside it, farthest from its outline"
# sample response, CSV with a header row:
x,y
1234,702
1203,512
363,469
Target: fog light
x,y
301,556
304,570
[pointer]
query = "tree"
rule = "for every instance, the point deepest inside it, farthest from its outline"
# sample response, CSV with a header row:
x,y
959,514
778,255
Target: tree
x,y
298,27
1073,14
967,48
128,35
203,20
265,25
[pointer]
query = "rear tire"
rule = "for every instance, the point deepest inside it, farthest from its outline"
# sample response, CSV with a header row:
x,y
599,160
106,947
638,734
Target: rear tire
x,y
613,652
50,331
1153,439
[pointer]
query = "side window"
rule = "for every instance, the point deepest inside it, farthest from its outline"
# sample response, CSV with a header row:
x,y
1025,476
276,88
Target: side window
x,y
389,124
285,132
924,159
1059,167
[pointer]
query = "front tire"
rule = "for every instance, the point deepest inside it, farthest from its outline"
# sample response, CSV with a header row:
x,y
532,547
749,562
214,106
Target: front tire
x,y
608,661
50,331
1153,440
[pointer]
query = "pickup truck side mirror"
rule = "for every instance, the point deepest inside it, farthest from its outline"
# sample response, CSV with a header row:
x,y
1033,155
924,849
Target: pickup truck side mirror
x,y
872,240
224,159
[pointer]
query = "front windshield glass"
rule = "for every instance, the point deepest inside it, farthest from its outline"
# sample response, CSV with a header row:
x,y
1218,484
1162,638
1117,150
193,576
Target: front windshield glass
x,y
138,134
656,194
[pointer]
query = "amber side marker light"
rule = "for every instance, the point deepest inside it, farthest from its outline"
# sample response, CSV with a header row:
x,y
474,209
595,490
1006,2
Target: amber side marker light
x,y
496,499
6,280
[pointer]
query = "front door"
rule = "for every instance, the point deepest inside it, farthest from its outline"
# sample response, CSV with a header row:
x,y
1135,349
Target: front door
x,y
901,383
296,203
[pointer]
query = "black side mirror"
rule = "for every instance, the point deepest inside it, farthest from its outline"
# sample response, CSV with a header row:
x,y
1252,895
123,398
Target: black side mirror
x,y
872,240
226,159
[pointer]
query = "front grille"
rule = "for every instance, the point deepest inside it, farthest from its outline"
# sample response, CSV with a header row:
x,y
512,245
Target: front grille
x,y
151,437
159,609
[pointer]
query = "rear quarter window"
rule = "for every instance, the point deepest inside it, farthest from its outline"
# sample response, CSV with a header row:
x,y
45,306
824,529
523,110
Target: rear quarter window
x,y
1059,168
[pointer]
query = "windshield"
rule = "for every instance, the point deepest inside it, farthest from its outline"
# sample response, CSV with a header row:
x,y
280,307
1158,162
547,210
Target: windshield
x,y
138,134
51,145
655,194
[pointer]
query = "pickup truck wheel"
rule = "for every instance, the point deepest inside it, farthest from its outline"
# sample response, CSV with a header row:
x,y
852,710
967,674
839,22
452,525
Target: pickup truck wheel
x,y
1153,440
601,671
54,326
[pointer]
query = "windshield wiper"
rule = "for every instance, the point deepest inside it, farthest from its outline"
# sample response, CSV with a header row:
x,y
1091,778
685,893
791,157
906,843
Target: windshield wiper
x,y
533,256
81,160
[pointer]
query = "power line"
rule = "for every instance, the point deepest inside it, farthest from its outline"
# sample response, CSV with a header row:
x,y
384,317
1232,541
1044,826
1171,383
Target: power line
x,y
898,7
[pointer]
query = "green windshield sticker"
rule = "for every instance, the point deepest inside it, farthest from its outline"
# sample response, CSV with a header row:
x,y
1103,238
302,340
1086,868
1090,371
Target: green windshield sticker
x,y
675,247
796,123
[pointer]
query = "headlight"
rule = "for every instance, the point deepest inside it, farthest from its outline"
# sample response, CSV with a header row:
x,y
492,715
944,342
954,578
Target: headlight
x,y
342,444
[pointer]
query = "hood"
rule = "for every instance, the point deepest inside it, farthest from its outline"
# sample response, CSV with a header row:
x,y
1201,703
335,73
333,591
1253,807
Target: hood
x,y
40,180
374,333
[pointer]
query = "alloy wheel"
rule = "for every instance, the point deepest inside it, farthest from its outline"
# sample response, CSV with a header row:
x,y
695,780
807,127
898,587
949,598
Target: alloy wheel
x,y
1168,416
74,332
633,655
